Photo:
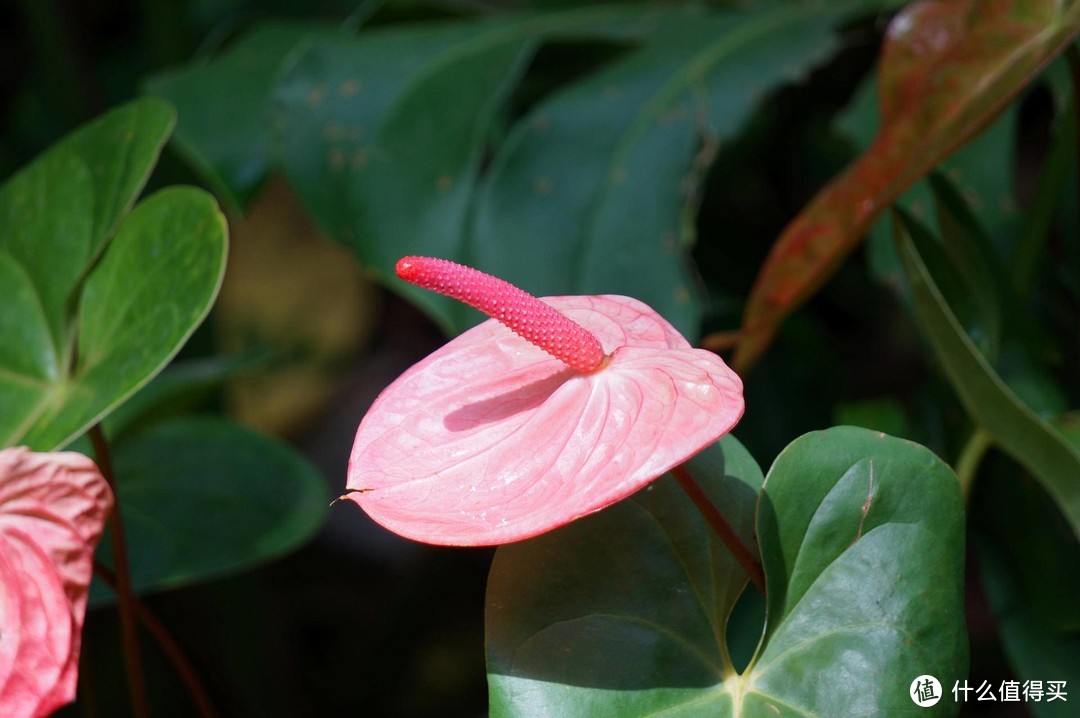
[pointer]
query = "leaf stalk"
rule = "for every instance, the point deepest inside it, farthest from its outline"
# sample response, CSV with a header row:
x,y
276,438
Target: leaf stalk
x,y
140,706
719,524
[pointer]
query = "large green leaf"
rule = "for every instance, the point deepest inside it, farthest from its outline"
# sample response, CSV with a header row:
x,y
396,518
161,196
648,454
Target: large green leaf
x,y
57,214
139,305
95,302
596,189
202,497
995,407
622,613
862,540
384,135
235,154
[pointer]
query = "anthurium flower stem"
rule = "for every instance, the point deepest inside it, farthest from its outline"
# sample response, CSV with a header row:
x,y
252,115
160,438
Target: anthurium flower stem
x,y
140,707
168,645
719,524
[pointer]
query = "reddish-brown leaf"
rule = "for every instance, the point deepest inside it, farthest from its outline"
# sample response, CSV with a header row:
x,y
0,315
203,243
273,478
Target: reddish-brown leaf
x,y
52,509
946,69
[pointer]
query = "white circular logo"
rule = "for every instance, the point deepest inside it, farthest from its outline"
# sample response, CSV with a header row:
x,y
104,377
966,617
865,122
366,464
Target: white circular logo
x,y
925,691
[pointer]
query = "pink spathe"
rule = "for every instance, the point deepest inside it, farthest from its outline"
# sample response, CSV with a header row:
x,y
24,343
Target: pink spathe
x,y
491,439
52,510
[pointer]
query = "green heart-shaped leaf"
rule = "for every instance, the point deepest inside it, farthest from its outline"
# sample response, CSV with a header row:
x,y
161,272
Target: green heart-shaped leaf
x,y
202,497
624,613
95,302
57,214
862,540
620,613
141,302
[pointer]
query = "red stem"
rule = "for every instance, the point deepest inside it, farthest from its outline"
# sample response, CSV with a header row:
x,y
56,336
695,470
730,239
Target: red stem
x,y
720,525
140,707
198,693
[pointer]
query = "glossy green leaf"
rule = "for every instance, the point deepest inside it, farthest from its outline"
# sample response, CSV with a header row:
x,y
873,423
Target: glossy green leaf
x,y
623,612
140,303
203,497
57,214
989,401
618,614
224,105
97,302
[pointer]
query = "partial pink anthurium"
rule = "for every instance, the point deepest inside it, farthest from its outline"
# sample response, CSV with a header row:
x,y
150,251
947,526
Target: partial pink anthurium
x,y
551,410
52,509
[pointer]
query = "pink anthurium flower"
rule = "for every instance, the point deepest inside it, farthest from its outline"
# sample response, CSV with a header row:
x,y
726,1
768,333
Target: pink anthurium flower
x,y
553,409
52,509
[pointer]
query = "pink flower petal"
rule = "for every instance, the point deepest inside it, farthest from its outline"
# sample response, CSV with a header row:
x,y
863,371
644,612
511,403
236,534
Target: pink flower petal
x,y
491,440
52,509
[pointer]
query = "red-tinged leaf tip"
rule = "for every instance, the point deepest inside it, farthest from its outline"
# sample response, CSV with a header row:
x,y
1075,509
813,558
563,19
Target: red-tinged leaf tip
x,y
52,510
531,319
947,68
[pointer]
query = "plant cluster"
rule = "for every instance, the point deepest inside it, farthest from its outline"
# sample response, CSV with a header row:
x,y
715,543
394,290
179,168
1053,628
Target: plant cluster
x,y
901,332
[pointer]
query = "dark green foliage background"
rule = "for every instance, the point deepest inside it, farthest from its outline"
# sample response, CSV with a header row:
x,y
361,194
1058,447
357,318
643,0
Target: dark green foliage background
x,y
920,334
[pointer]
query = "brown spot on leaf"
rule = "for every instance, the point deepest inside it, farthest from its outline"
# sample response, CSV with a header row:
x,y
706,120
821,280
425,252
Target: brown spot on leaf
x,y
337,159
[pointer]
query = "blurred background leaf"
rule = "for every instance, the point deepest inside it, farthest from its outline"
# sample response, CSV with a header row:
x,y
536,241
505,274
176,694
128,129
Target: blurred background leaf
x,y
738,169
202,497
297,299
400,165
946,70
